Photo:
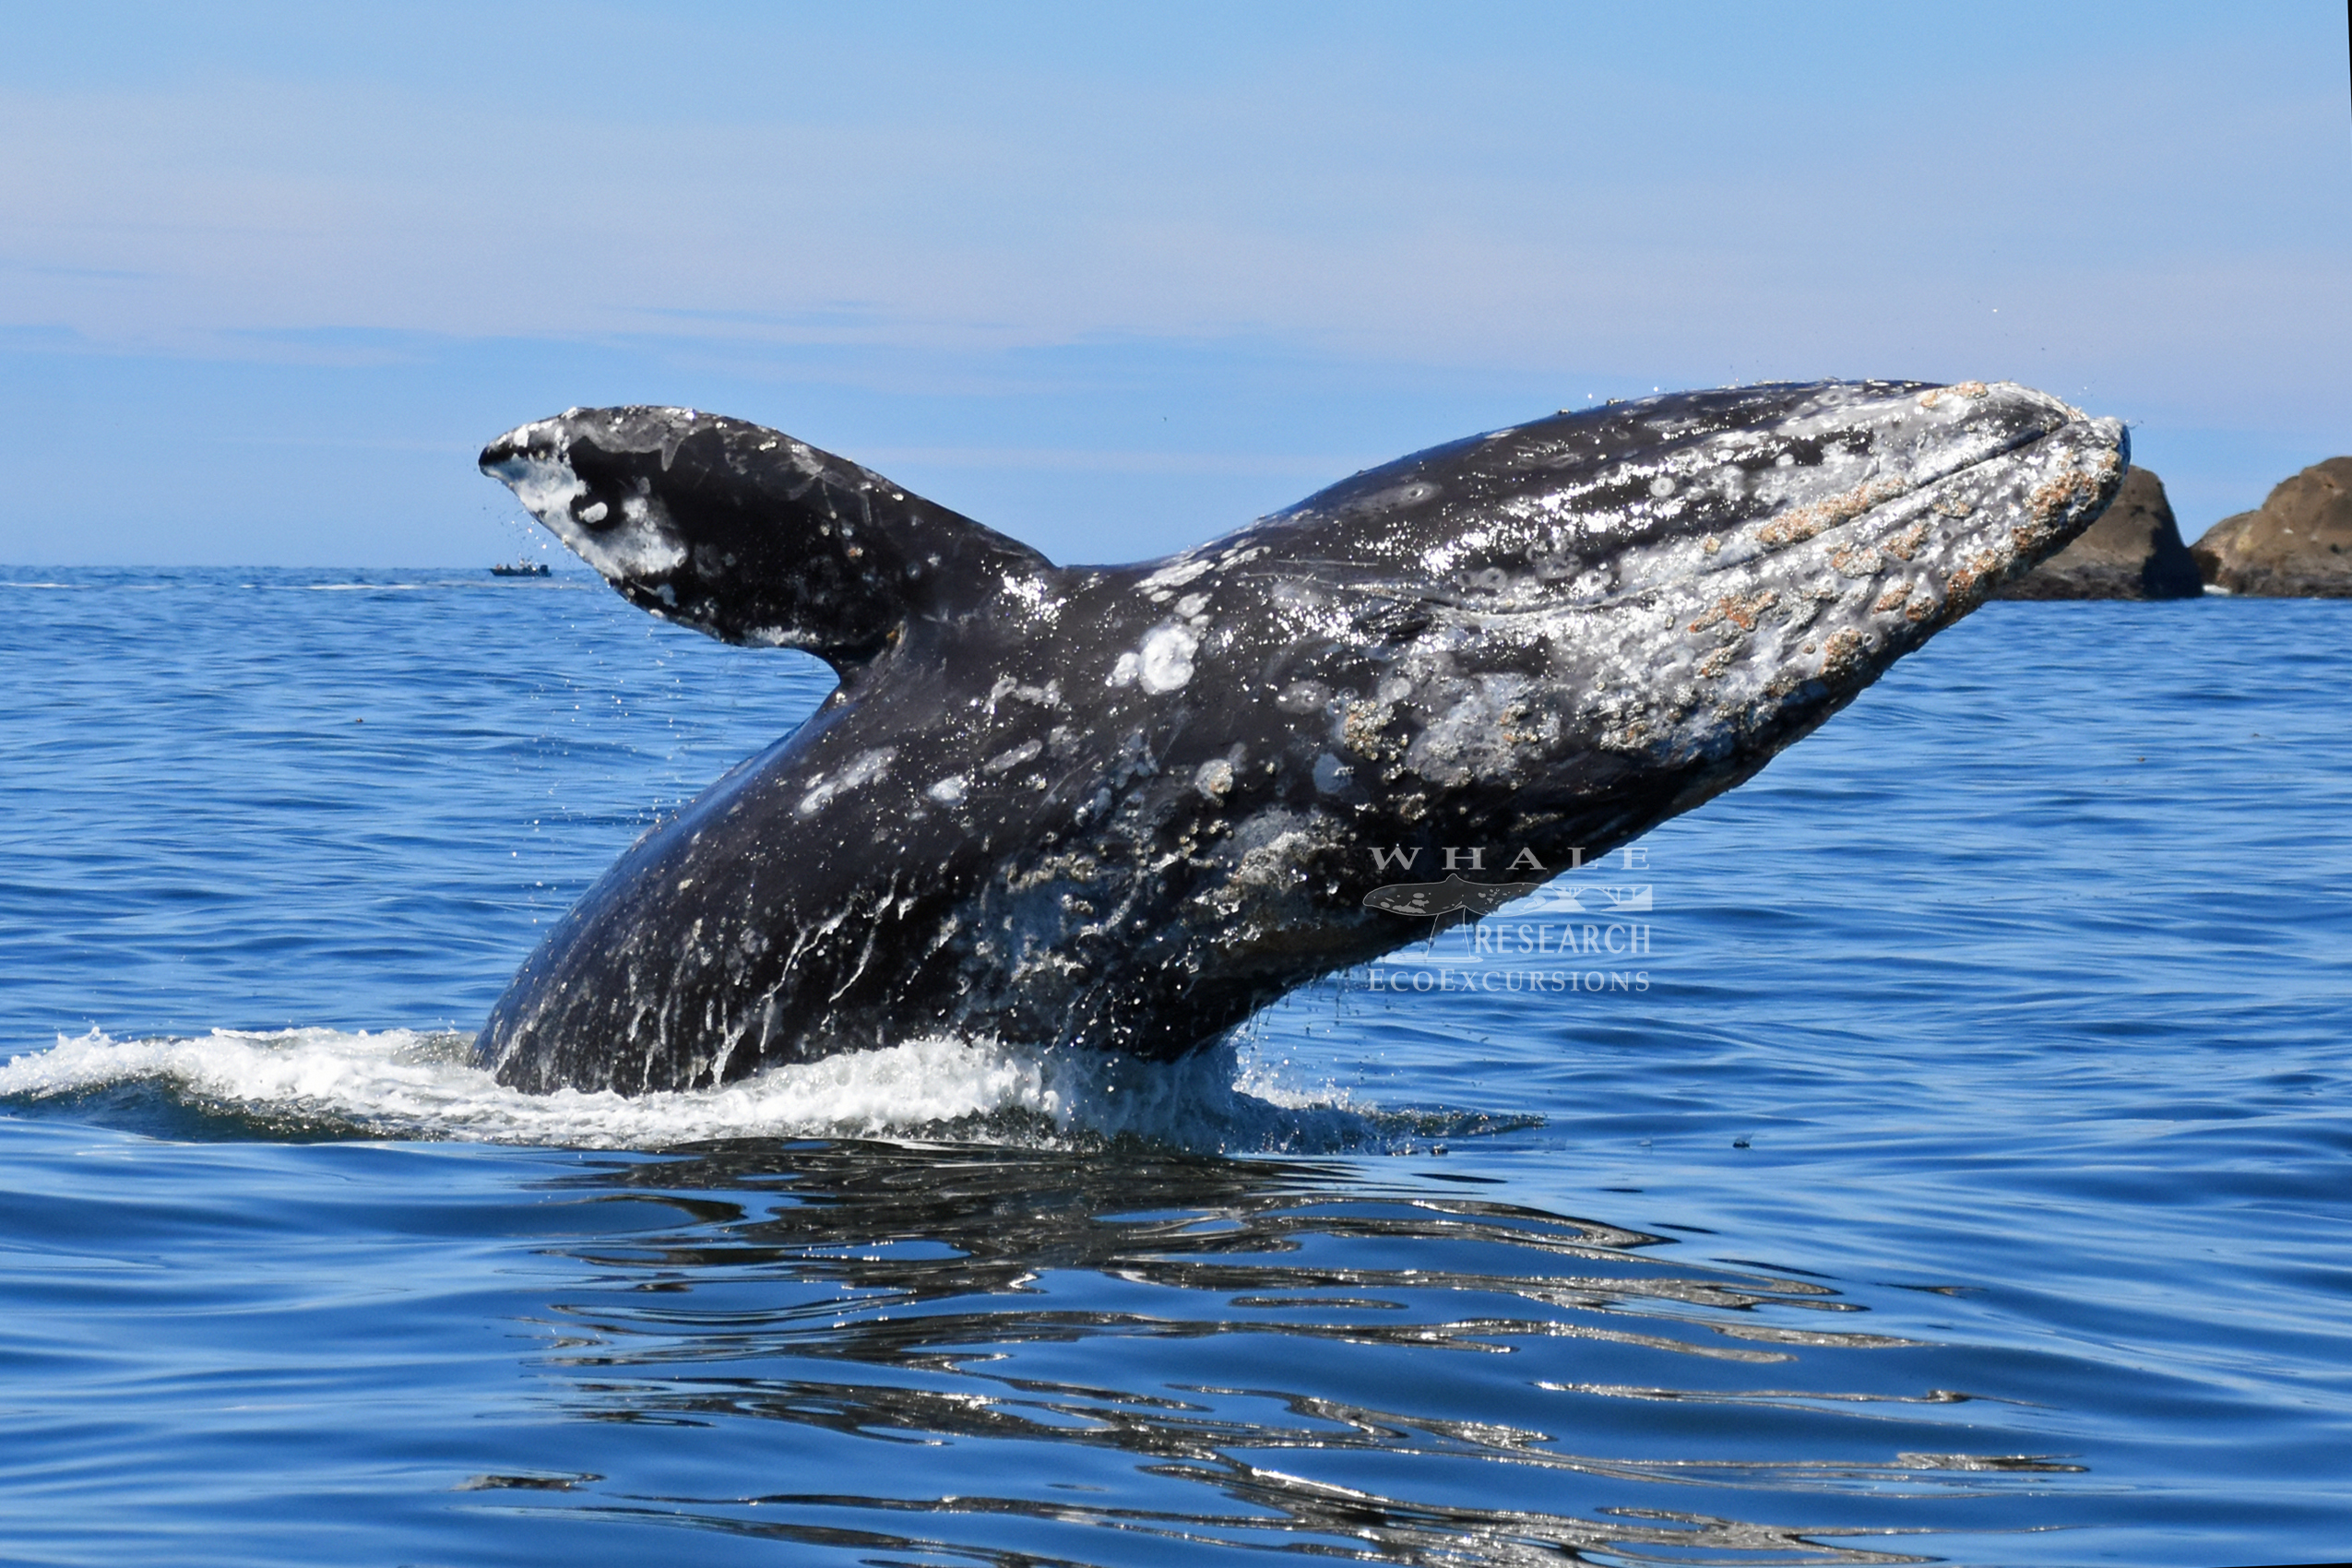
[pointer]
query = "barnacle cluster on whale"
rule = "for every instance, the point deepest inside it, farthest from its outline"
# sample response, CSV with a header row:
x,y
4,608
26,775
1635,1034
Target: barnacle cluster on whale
x,y
1122,807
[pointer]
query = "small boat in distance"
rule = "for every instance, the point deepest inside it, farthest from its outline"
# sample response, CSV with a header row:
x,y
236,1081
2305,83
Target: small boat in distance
x,y
519,569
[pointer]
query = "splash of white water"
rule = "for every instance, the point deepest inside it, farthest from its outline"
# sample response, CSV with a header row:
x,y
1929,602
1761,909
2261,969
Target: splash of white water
x,y
402,1083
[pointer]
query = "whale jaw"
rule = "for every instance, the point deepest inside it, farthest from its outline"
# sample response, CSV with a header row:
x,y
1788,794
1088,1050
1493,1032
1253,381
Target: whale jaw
x,y
1727,643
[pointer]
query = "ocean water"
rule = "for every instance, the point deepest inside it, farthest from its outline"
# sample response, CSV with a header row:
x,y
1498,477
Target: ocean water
x,y
1938,1150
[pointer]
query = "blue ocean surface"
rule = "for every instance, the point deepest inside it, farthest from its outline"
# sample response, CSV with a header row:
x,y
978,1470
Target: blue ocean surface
x,y
1937,1150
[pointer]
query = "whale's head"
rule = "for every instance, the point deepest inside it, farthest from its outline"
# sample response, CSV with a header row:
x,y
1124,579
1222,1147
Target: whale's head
x,y
1648,601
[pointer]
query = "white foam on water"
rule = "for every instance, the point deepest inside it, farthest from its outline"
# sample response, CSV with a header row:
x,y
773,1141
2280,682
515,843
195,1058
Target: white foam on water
x,y
405,1083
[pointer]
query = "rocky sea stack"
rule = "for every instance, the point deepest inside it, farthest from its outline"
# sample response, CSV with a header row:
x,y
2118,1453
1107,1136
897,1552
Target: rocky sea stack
x,y
2298,544
2133,551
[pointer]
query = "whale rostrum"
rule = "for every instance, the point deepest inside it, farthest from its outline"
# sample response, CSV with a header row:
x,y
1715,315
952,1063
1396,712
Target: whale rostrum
x,y
1121,807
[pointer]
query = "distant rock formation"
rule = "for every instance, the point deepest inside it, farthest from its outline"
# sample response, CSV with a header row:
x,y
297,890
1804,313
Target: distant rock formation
x,y
2298,544
2133,551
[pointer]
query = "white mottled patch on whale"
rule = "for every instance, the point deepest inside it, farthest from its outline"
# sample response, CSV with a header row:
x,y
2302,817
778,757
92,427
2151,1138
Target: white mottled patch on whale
x,y
1004,761
644,545
1168,579
1047,696
949,791
1267,861
1302,696
1034,594
1470,738
547,486
863,769
1165,660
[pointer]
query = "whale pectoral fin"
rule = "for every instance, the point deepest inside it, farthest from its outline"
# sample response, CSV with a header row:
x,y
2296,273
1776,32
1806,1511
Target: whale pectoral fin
x,y
749,535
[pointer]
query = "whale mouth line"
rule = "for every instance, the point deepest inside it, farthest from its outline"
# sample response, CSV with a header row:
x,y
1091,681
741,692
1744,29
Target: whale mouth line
x,y
1871,517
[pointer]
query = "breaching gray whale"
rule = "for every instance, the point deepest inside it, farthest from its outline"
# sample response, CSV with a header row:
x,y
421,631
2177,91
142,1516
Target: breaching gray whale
x,y
1122,807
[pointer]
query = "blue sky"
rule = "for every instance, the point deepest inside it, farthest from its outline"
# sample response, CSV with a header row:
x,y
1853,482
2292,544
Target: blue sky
x,y
1116,279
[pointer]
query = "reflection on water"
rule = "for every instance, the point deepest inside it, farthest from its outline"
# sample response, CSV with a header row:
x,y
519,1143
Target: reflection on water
x,y
1227,1353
